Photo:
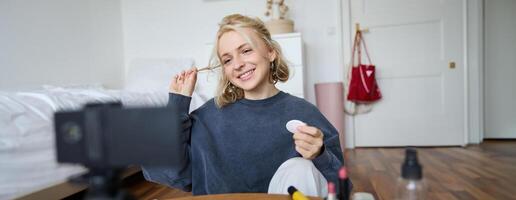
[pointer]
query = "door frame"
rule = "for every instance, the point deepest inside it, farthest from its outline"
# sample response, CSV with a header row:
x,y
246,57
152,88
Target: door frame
x,y
473,57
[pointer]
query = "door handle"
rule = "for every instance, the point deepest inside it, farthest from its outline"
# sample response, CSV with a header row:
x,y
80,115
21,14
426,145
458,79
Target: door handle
x,y
451,65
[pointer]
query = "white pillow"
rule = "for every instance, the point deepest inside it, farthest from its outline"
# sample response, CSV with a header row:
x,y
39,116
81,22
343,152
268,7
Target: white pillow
x,y
154,74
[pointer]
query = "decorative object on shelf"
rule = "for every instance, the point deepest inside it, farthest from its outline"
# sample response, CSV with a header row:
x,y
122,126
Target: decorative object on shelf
x,y
277,10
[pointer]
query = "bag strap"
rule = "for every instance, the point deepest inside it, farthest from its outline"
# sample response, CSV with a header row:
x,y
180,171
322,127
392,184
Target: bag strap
x,y
356,43
359,41
357,47
362,41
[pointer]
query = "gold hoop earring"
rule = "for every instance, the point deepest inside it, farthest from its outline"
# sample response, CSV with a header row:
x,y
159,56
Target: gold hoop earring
x,y
229,88
274,73
232,88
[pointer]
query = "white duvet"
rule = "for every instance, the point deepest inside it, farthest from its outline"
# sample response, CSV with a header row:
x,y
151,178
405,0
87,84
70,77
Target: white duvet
x,y
27,155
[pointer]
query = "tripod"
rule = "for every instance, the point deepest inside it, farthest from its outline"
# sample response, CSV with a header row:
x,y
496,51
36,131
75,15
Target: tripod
x,y
104,184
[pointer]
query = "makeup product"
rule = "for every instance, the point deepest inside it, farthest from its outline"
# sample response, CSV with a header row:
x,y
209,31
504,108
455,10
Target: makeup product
x,y
344,192
331,192
293,124
296,195
410,185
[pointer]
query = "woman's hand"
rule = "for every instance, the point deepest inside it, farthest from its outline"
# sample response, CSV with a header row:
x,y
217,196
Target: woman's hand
x,y
184,82
309,141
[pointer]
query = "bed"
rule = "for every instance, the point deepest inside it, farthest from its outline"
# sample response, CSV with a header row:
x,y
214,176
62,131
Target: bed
x,y
27,154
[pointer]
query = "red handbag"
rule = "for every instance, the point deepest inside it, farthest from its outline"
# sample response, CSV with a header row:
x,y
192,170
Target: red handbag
x,y
362,77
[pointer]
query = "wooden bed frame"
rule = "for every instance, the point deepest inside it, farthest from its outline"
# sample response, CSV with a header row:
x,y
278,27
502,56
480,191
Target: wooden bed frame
x,y
65,190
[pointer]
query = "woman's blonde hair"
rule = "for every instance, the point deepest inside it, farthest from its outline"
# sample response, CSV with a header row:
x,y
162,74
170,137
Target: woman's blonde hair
x,y
227,92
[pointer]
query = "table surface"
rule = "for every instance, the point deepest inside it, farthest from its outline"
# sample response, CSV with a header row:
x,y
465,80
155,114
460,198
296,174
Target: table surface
x,y
242,196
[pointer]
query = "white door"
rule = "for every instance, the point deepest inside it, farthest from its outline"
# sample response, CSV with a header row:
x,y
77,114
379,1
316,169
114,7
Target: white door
x,y
412,43
500,69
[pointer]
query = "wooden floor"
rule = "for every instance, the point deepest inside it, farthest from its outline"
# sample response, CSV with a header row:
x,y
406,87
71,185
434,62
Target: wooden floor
x,y
486,171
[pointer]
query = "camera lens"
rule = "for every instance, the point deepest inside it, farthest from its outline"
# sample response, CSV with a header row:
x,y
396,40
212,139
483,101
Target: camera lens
x,y
71,132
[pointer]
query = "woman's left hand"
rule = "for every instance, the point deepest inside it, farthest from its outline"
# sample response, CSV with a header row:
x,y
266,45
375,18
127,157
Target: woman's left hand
x,y
309,141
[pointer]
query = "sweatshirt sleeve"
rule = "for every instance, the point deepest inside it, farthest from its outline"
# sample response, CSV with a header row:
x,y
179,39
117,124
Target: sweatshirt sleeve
x,y
177,176
331,159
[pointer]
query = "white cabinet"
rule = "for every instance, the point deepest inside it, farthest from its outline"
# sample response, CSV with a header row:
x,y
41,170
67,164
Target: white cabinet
x,y
292,48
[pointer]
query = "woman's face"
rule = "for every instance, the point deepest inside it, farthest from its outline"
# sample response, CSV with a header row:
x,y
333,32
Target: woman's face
x,y
245,66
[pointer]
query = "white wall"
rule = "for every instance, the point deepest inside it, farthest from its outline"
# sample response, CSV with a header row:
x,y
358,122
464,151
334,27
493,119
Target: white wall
x,y
475,60
60,42
500,69
164,28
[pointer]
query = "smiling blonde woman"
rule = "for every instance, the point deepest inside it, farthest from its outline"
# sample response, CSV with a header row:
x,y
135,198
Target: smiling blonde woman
x,y
237,142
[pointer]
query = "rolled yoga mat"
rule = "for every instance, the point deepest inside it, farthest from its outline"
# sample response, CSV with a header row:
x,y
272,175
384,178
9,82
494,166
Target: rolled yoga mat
x,y
329,99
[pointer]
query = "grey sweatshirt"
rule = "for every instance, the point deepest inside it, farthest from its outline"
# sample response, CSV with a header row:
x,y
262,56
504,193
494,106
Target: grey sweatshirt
x,y
239,147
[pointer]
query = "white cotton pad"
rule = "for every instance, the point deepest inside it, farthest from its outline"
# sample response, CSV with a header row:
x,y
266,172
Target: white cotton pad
x,y
293,124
